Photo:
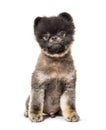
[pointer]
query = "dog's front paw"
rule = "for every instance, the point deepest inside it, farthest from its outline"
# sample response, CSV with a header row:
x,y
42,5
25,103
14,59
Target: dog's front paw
x,y
26,113
72,117
35,117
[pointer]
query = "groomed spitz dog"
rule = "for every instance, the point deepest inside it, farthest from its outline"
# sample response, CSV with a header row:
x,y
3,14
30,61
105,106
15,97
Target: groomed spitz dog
x,y
54,78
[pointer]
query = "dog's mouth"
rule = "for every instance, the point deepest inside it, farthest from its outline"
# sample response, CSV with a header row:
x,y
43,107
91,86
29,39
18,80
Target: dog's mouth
x,y
56,49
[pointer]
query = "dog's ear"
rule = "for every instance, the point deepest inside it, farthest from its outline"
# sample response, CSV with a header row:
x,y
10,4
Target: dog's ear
x,y
66,16
37,21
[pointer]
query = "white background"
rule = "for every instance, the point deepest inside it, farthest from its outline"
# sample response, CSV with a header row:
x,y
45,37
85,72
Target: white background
x,y
19,52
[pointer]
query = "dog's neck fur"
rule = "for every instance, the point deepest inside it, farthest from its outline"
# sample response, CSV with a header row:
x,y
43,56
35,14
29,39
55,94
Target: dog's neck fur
x,y
57,55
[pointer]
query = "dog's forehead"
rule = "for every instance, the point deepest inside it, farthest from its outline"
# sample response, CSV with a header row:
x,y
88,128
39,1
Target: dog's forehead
x,y
51,25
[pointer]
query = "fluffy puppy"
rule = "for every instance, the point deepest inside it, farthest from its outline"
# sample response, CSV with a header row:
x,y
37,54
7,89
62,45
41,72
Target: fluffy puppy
x,y
54,78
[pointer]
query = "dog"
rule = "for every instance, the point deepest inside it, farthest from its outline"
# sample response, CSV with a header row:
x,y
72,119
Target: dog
x,y
54,79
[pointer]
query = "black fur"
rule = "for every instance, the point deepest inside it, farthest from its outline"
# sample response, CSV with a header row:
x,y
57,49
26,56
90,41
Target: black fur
x,y
53,25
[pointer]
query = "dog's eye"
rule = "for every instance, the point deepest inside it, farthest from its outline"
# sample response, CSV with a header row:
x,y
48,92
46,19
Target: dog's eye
x,y
46,36
62,34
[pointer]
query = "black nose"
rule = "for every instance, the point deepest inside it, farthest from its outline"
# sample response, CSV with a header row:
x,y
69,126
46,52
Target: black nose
x,y
54,38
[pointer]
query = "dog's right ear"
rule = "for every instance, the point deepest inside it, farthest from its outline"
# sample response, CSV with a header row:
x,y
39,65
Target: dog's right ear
x,y
36,21
66,16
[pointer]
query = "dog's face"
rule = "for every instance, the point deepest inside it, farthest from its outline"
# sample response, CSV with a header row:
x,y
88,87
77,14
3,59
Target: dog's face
x,y
54,34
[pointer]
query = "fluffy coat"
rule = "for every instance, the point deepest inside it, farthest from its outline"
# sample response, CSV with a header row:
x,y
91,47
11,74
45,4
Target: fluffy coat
x,y
54,78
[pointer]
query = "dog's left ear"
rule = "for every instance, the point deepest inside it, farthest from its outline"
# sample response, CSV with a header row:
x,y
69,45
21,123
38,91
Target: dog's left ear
x,y
37,21
66,16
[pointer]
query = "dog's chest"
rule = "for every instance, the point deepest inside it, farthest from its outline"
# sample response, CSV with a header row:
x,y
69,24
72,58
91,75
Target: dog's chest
x,y
55,71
